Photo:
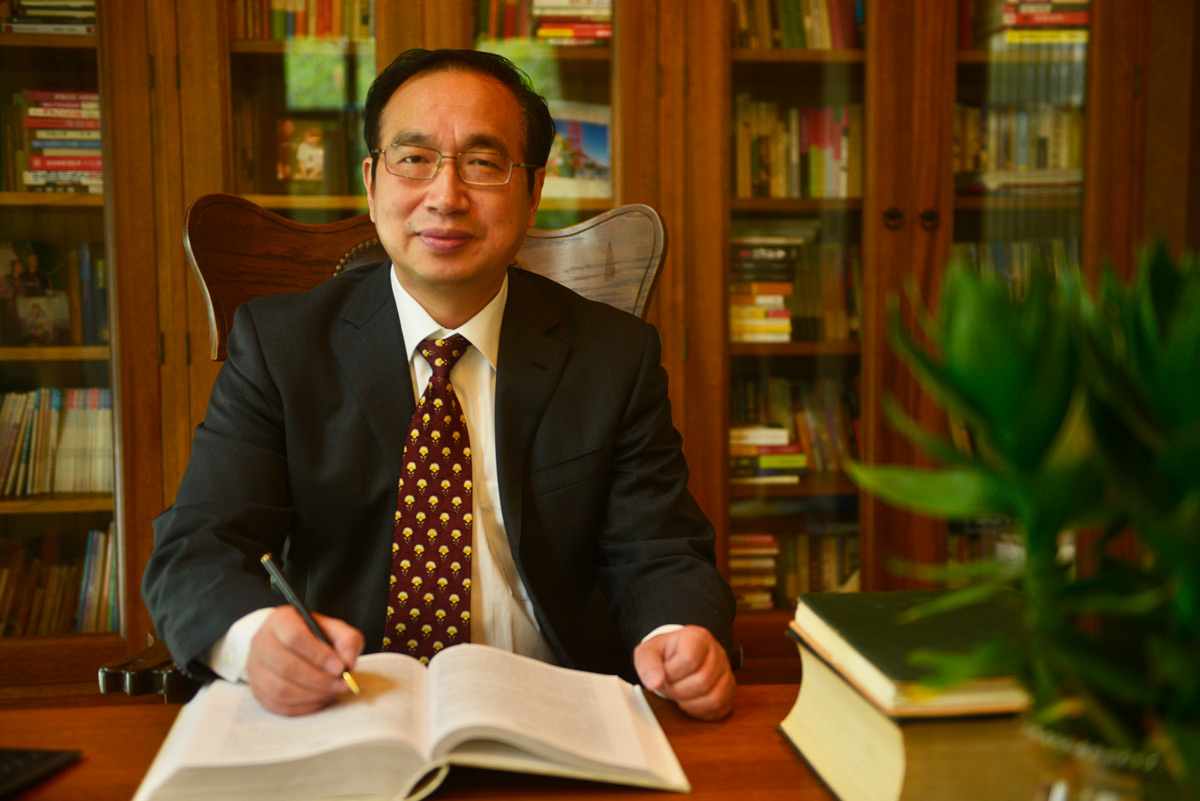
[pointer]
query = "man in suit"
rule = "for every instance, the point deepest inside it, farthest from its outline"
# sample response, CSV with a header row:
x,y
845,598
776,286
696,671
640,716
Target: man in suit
x,y
588,550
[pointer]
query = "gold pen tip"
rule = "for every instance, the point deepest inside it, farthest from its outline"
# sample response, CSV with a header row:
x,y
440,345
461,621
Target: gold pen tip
x,y
266,557
351,683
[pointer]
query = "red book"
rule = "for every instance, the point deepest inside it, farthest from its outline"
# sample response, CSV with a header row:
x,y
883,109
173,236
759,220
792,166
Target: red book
x,y
61,122
510,19
66,163
43,96
1048,19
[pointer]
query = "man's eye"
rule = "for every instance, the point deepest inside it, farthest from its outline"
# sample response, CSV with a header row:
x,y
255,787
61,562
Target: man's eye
x,y
484,161
413,158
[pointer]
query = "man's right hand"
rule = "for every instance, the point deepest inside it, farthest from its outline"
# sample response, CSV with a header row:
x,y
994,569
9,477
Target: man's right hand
x,y
290,671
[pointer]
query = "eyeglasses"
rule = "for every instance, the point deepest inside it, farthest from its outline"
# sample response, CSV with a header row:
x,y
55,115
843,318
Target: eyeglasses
x,y
475,167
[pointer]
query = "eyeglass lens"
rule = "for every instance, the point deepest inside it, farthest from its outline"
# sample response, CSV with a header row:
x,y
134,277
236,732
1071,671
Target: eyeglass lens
x,y
474,167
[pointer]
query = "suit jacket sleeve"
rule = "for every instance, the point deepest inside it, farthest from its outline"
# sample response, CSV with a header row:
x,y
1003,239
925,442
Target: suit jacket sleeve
x,y
232,505
658,559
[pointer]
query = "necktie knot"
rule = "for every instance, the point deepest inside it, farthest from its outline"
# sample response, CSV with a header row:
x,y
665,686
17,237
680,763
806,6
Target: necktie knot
x,y
443,353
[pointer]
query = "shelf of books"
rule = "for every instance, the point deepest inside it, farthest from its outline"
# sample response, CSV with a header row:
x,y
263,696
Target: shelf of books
x,y
565,46
299,74
59,551
794,294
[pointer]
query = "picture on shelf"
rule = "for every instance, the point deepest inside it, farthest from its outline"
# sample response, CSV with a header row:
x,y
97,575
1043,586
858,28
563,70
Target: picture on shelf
x,y
580,163
29,269
305,156
44,319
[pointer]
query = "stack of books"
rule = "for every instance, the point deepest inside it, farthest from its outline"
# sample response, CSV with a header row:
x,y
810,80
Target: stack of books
x,y
999,23
862,703
51,16
53,144
762,282
754,569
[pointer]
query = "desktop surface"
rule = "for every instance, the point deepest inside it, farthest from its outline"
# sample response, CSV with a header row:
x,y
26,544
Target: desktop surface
x,y
742,757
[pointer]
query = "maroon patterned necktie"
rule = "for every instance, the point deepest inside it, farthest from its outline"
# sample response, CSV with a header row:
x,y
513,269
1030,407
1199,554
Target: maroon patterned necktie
x,y
429,600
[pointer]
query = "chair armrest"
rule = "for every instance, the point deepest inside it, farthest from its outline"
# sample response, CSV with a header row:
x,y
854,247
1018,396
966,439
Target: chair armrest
x,y
150,670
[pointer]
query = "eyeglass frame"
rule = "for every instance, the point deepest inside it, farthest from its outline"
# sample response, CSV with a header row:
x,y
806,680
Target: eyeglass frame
x,y
437,169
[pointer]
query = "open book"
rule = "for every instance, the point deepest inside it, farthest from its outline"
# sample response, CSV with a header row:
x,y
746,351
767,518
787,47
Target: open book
x,y
474,705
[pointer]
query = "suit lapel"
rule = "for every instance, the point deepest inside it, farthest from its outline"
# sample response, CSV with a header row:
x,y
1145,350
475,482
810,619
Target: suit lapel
x,y
529,364
369,344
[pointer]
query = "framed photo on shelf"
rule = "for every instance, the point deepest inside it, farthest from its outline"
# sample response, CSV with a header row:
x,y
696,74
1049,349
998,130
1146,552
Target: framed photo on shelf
x,y
43,319
580,163
309,155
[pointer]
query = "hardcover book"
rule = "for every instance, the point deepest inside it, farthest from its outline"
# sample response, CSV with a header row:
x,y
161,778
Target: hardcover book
x,y
860,704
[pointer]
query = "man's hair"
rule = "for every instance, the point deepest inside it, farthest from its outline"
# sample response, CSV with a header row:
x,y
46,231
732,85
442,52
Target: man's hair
x,y
538,129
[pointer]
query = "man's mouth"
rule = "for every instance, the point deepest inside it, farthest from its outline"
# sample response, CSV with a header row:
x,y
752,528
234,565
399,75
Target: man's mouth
x,y
443,239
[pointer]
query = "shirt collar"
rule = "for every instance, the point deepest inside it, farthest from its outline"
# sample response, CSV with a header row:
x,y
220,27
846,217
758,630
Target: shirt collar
x,y
482,330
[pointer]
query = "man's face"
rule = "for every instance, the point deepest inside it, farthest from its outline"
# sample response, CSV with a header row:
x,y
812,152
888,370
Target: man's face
x,y
449,240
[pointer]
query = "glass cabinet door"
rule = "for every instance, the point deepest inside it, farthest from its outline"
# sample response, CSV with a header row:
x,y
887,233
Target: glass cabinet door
x,y
1018,165
298,83
60,555
794,278
567,49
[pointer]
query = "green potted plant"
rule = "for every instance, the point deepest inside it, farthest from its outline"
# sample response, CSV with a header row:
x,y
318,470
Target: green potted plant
x,y
1084,414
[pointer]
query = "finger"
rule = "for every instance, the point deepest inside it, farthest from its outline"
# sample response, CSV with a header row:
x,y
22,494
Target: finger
x,y
648,662
704,672
714,704
686,652
347,641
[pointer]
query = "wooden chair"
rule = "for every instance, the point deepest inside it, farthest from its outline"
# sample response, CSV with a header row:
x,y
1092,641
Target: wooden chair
x,y
239,251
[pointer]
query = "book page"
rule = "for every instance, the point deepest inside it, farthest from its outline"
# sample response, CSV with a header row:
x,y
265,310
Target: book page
x,y
392,707
475,689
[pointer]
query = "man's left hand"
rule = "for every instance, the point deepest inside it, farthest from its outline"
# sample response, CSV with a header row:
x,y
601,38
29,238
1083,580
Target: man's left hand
x,y
689,667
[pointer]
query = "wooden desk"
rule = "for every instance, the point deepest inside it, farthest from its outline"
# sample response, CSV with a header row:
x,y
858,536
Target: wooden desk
x,y
741,757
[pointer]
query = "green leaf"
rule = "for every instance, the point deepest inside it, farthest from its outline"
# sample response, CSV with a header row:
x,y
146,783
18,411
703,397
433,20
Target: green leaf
x,y
948,493
939,449
992,658
933,378
957,599
986,358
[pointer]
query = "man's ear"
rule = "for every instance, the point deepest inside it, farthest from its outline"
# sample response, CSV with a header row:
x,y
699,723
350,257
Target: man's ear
x,y
539,179
369,183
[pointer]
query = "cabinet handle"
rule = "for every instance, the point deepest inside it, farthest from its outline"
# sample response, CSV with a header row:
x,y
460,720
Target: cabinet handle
x,y
893,218
929,220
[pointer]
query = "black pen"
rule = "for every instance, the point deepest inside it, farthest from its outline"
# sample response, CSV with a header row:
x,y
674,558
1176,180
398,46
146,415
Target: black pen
x,y
285,588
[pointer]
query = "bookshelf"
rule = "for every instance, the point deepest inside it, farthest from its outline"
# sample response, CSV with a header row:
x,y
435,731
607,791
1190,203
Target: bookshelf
x,y
913,76
69,519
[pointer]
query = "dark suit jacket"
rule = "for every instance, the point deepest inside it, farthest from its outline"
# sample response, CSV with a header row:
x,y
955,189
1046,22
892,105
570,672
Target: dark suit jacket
x,y
301,448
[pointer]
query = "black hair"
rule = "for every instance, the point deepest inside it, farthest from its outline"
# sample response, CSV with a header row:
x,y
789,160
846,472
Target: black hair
x,y
538,128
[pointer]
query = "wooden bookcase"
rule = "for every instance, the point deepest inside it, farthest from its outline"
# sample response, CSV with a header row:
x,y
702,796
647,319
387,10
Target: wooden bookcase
x,y
909,76
114,223
170,72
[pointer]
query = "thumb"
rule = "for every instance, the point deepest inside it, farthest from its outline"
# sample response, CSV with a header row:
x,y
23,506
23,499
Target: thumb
x,y
648,660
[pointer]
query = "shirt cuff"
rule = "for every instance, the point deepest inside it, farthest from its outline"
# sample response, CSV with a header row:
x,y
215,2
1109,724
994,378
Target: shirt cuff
x,y
666,628
228,656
